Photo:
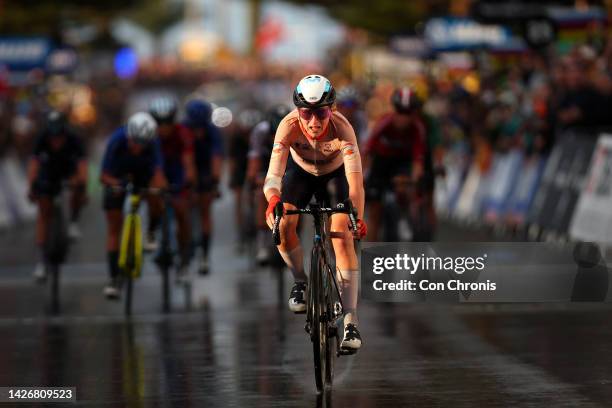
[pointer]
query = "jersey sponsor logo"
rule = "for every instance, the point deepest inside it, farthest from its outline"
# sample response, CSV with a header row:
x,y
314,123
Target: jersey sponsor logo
x,y
328,148
348,150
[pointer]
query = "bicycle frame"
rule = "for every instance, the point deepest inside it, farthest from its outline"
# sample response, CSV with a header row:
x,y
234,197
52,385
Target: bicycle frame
x,y
130,255
319,240
130,249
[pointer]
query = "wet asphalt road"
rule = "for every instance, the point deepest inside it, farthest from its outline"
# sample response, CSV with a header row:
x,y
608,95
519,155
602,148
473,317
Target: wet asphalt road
x,y
229,341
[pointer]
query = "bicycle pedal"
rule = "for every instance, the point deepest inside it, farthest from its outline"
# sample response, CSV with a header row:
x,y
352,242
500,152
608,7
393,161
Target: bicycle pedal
x,y
337,309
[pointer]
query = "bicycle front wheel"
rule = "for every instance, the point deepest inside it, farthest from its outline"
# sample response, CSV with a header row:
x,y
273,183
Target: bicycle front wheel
x,y
319,330
130,257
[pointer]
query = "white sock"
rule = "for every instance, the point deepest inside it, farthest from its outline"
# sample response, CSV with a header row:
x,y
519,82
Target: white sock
x,y
295,262
348,282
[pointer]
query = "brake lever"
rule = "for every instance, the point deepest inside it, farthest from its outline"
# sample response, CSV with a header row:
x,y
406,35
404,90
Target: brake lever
x,y
352,213
278,214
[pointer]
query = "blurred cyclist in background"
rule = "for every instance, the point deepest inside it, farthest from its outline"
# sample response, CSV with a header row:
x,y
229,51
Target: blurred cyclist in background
x,y
238,152
261,141
208,152
348,102
314,147
58,157
133,154
433,168
179,169
394,155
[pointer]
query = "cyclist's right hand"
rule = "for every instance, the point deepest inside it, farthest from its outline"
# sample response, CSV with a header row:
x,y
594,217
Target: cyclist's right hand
x,y
362,230
270,210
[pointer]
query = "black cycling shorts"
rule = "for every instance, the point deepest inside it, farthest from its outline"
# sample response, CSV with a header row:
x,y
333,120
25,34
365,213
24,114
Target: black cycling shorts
x,y
380,179
43,187
112,200
299,186
49,184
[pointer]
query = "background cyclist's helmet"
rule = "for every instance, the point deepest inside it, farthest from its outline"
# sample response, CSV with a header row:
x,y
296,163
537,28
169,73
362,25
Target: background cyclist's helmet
x,y
56,123
347,96
141,128
275,115
405,100
248,118
314,91
163,109
198,113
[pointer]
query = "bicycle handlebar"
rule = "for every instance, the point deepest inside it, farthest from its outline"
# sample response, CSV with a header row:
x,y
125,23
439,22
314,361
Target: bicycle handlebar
x,y
315,211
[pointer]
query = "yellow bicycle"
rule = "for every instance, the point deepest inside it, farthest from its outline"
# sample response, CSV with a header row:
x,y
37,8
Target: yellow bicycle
x,y
130,250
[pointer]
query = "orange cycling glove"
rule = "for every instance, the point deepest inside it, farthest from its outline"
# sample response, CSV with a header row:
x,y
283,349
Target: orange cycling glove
x,y
362,229
271,204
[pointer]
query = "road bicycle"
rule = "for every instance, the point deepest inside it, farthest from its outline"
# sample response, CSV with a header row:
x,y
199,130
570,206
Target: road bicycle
x,y
324,306
165,258
416,213
130,248
57,245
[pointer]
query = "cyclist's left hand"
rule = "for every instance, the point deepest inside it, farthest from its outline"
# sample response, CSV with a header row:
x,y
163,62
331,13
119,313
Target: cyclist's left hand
x,y
362,229
270,210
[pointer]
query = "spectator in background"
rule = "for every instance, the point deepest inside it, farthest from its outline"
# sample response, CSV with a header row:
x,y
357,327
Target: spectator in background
x,y
581,104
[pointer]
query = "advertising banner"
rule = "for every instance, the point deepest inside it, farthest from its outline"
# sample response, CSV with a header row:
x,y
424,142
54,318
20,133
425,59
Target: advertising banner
x,y
562,181
24,53
504,174
525,189
468,202
452,34
592,220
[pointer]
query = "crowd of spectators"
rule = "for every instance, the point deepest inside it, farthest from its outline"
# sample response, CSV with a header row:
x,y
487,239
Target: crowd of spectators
x,y
527,103
521,101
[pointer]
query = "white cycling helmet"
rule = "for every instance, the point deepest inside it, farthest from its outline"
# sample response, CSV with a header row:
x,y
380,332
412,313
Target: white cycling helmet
x,y
163,109
314,91
141,128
